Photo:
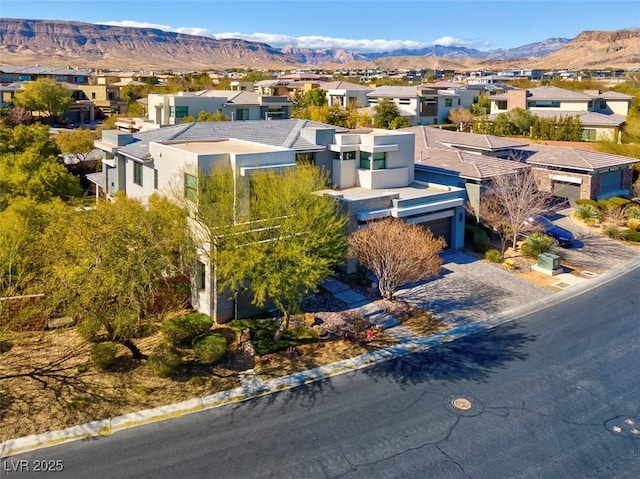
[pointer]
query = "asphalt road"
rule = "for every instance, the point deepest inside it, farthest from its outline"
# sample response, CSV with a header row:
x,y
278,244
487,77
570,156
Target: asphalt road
x,y
555,394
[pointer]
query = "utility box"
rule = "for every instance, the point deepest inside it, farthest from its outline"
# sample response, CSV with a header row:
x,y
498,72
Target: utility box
x,y
548,261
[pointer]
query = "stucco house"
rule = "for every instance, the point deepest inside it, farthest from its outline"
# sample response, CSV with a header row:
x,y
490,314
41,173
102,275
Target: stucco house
x,y
470,160
602,113
371,173
424,105
170,109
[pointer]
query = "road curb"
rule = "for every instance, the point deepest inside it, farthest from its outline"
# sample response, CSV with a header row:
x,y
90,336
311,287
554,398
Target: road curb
x,y
420,344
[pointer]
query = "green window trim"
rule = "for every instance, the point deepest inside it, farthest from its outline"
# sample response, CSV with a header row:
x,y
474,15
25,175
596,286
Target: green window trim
x,y
137,173
379,160
190,187
178,111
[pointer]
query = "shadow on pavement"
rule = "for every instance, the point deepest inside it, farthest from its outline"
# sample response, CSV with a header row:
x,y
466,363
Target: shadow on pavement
x,y
471,358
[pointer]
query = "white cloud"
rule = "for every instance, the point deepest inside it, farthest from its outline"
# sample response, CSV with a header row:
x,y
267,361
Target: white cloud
x,y
313,42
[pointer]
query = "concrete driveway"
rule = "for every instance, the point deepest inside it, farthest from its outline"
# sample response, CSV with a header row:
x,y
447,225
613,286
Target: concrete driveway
x,y
470,289
593,251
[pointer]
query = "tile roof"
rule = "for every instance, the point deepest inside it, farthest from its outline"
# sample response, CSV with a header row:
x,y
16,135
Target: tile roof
x,y
549,93
588,118
575,158
466,165
440,138
614,95
394,91
343,85
282,133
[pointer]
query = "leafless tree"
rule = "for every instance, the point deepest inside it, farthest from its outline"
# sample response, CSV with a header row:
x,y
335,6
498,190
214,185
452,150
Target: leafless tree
x,y
509,202
462,118
398,253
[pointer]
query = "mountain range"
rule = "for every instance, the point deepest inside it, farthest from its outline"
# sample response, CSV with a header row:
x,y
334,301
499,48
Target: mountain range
x,y
87,45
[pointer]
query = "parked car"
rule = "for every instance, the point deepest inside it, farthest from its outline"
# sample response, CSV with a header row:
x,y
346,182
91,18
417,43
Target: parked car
x,y
541,223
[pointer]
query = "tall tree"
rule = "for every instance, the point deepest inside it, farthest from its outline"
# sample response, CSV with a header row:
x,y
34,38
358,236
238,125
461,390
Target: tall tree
x,y
109,264
511,199
298,238
30,166
397,253
385,112
45,96
271,235
76,143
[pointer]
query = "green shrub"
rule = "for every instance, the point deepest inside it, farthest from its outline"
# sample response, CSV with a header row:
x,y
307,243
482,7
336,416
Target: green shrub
x,y
605,205
481,242
632,211
264,330
633,224
493,256
619,202
614,232
181,330
210,348
536,243
632,235
588,212
103,354
509,263
164,360
587,201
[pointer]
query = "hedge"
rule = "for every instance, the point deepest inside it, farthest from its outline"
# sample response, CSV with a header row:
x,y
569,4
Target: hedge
x,y
210,348
103,354
181,330
164,360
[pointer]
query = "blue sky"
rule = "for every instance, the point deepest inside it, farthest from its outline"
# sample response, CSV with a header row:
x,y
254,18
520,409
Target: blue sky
x,y
356,25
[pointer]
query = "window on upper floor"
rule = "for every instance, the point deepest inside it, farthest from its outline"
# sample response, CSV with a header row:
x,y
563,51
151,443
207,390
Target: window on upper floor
x,y
155,179
137,173
448,102
178,111
375,161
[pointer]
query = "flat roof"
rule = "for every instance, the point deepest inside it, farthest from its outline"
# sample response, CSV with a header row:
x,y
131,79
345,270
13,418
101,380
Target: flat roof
x,y
221,146
414,190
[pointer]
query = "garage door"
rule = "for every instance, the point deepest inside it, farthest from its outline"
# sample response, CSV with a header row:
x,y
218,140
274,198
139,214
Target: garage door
x,y
441,227
569,191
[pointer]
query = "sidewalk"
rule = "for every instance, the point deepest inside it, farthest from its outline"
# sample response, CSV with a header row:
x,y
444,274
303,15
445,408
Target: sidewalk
x,y
441,296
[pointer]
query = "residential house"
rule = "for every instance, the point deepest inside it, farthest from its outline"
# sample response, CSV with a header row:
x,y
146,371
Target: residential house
x,y
170,109
602,113
14,73
423,105
344,93
469,160
371,171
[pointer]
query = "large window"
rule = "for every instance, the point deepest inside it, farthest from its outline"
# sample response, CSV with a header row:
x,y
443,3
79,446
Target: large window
x,y
544,104
178,111
190,187
588,134
379,160
501,104
137,173
448,102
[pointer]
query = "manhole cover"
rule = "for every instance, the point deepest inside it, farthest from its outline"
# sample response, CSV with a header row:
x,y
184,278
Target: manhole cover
x,y
463,405
624,426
